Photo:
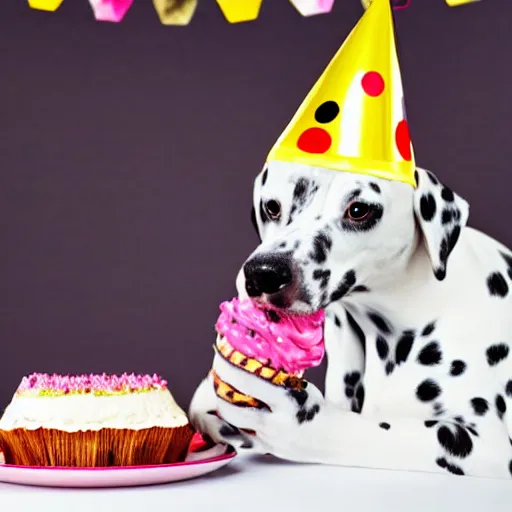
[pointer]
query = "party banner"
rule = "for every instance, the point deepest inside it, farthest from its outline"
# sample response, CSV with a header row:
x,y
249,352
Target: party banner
x,y
181,12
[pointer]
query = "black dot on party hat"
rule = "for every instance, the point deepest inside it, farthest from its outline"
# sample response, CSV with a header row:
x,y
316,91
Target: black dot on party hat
x,y
327,112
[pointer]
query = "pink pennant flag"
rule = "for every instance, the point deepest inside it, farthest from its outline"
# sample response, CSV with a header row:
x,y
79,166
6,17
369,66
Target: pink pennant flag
x,y
313,7
110,10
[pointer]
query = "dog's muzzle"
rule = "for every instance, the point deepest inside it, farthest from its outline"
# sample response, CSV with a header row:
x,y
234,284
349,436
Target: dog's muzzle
x,y
268,274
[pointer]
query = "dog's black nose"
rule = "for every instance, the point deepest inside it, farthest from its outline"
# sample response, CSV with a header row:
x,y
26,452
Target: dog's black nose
x,y
267,273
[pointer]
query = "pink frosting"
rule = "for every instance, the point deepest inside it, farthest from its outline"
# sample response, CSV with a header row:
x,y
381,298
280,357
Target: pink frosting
x,y
100,384
293,343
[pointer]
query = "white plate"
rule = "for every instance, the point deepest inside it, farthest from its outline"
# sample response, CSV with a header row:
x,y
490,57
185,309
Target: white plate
x,y
199,461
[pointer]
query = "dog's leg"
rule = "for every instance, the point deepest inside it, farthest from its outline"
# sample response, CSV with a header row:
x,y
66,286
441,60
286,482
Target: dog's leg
x,y
344,345
302,426
203,416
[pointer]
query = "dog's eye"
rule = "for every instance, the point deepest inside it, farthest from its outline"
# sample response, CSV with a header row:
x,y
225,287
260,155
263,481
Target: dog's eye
x,y
273,209
357,211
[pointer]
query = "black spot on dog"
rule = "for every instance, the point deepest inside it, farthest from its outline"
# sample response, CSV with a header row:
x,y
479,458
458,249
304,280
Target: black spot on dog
x,y
337,321
348,281
447,194
508,261
384,425
416,178
446,216
403,347
480,405
440,273
430,354
472,430
357,330
457,368
501,406
264,176
382,347
510,467
496,353
432,178
323,276
307,414
438,409
429,329
508,388
228,431
312,412
430,423
428,390
447,245
457,442
379,322
299,395
497,285
352,378
360,288
349,392
428,207
247,444
282,245
322,244
375,187
390,366
299,192
358,401
451,468
459,419
254,222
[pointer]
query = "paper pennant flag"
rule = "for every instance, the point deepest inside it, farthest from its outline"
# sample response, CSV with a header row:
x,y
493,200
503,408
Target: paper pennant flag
x,y
45,5
396,4
110,10
175,12
454,3
236,11
313,7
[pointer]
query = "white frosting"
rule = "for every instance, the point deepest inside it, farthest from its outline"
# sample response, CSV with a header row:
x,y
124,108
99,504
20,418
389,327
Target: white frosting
x,y
73,413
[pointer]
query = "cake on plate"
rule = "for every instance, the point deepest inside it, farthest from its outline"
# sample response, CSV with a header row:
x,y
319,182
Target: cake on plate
x,y
93,421
276,346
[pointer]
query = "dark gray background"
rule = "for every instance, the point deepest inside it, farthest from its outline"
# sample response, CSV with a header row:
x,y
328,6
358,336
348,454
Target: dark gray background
x,y
127,154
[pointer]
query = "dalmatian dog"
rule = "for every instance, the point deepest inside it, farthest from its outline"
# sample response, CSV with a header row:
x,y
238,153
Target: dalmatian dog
x,y
418,327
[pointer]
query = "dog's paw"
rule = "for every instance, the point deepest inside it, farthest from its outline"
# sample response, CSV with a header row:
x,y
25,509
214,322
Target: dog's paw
x,y
205,418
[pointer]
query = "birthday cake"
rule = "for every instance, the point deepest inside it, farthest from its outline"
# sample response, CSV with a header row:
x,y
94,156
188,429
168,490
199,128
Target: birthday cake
x,y
276,346
93,421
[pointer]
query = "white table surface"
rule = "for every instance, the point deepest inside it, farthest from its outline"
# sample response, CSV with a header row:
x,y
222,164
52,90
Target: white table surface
x,y
265,484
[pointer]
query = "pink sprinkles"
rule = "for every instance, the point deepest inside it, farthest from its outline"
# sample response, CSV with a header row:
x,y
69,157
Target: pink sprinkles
x,y
95,384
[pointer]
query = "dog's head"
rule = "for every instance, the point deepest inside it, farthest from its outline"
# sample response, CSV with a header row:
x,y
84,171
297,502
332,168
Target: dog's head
x,y
326,234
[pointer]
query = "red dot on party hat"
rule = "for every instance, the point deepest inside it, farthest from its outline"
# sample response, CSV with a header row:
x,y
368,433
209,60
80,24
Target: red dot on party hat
x,y
403,140
373,83
314,140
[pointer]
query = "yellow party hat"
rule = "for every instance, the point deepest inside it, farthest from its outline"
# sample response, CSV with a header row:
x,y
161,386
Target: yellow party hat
x,y
353,119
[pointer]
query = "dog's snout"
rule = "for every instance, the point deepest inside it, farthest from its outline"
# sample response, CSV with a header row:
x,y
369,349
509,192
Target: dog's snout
x,y
267,274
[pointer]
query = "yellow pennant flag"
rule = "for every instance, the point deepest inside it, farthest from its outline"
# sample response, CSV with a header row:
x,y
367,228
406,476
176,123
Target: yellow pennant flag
x,y
175,12
45,5
455,3
236,11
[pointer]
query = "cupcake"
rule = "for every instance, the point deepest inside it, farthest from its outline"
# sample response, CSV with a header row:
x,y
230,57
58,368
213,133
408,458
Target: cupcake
x,y
93,421
278,347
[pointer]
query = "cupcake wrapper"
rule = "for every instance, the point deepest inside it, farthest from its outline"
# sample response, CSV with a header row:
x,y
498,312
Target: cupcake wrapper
x,y
103,448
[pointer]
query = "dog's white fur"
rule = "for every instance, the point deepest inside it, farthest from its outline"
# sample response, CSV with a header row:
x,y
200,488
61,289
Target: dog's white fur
x,y
464,357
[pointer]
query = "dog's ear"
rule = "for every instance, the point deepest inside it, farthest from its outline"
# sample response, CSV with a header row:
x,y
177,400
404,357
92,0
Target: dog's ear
x,y
441,214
